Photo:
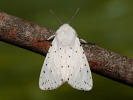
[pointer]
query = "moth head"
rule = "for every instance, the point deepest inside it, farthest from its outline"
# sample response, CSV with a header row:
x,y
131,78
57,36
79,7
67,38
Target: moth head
x,y
66,28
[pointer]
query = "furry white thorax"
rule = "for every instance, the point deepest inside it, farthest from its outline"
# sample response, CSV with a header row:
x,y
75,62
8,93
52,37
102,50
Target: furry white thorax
x,y
66,35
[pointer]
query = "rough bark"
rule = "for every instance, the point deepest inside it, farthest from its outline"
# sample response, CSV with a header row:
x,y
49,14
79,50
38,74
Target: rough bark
x,y
25,34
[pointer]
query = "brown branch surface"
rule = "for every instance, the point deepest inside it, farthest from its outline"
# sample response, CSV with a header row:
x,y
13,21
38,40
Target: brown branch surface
x,y
25,34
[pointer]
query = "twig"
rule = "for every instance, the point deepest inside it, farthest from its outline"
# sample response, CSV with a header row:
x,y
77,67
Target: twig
x,y
25,34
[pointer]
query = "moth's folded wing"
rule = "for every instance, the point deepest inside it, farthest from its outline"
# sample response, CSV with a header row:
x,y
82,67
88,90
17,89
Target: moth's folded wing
x,y
50,76
79,70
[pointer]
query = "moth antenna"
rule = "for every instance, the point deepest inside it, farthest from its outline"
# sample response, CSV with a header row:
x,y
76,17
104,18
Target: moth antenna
x,y
56,16
73,16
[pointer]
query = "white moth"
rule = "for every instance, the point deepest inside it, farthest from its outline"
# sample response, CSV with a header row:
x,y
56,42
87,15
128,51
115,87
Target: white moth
x,y
66,62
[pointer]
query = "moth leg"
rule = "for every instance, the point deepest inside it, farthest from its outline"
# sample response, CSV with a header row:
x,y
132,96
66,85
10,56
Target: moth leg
x,y
41,40
48,39
84,42
51,38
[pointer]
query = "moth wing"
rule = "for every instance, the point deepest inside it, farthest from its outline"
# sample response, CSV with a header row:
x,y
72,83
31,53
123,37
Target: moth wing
x,y
50,76
79,71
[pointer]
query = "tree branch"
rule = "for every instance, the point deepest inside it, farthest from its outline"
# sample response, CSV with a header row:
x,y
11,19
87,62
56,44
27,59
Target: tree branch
x,y
25,34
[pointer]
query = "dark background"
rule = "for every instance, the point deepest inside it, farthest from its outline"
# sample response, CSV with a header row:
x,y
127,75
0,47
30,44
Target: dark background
x,y
107,23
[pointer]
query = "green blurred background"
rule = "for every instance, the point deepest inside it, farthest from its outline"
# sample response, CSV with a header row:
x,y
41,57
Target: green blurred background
x,y
107,23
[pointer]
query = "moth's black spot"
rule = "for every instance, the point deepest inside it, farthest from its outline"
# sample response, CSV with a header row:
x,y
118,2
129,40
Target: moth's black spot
x,y
61,56
83,52
55,51
70,47
46,64
68,66
44,71
51,70
48,87
90,86
48,57
42,83
75,86
85,64
55,81
61,79
71,74
82,57
87,71
75,81
48,80
76,51
68,79
80,67
60,48
84,82
61,66
45,88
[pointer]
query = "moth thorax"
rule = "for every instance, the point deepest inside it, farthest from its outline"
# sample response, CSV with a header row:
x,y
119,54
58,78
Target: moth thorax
x,y
66,34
